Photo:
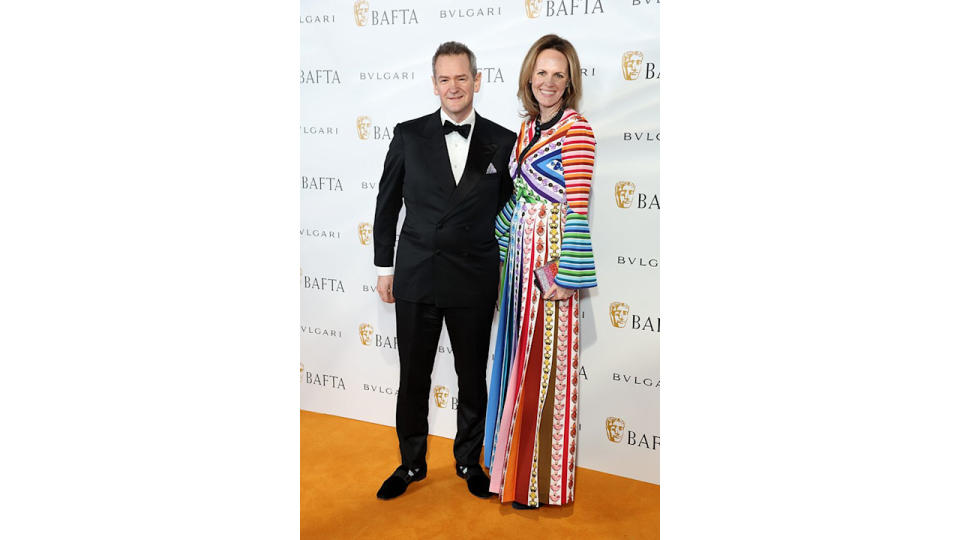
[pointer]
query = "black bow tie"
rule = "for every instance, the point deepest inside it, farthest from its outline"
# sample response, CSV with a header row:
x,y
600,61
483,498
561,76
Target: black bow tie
x,y
449,127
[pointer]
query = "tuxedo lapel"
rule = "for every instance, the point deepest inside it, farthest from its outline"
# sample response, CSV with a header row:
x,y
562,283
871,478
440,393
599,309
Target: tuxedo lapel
x,y
439,164
479,156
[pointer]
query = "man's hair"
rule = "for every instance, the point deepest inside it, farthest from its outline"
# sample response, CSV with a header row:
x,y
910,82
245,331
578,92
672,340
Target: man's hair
x,y
453,48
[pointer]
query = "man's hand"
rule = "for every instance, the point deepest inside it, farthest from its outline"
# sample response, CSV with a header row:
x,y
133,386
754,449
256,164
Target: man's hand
x,y
385,289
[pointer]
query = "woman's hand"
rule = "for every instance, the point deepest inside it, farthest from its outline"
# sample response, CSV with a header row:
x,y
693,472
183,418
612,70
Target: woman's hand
x,y
556,292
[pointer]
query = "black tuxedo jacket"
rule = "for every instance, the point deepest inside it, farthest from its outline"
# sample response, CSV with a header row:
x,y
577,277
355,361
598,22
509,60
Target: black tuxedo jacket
x,y
447,254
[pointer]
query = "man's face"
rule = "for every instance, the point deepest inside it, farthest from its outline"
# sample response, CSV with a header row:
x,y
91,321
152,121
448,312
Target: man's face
x,y
455,85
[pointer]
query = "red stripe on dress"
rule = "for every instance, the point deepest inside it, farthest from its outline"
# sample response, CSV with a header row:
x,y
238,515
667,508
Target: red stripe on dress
x,y
509,473
526,434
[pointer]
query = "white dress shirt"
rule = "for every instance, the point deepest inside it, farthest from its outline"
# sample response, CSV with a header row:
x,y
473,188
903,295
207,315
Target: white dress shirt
x,y
457,148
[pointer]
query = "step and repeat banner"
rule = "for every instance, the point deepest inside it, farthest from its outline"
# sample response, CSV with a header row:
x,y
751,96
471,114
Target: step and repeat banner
x,y
365,66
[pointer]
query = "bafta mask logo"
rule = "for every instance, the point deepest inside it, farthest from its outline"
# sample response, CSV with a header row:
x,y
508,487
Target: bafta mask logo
x,y
533,8
615,428
366,233
440,395
301,371
624,193
618,314
363,127
366,332
361,11
632,62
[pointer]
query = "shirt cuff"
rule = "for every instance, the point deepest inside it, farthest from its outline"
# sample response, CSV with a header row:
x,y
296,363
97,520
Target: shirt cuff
x,y
384,270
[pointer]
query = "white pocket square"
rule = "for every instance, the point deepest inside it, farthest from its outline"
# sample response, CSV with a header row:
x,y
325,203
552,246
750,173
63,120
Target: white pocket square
x,y
491,169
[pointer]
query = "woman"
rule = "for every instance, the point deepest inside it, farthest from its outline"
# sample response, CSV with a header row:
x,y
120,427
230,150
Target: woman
x,y
531,435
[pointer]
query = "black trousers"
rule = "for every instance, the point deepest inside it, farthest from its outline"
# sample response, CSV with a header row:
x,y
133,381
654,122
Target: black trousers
x,y
418,334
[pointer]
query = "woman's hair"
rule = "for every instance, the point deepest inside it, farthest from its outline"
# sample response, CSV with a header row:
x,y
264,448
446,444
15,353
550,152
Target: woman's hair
x,y
571,95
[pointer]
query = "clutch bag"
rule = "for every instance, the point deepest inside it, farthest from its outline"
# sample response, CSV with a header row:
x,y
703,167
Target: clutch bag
x,y
546,275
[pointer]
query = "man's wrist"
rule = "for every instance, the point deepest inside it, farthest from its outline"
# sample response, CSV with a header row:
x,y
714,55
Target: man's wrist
x,y
384,271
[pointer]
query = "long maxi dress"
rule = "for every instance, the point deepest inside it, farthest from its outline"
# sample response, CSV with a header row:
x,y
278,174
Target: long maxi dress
x,y
530,439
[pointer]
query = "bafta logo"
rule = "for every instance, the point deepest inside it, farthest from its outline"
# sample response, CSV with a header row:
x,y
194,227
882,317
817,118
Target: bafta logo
x,y
366,331
361,8
301,371
624,192
615,428
632,61
533,8
366,233
618,314
440,396
363,127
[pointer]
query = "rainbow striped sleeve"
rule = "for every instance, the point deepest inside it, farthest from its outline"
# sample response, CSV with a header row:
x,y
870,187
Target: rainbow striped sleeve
x,y
577,269
502,226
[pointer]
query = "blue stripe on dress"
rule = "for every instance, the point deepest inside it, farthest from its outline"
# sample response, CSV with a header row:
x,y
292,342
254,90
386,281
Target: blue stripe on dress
x,y
505,345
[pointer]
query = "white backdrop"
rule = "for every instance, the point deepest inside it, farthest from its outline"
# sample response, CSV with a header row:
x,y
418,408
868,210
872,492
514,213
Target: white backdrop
x,y
365,66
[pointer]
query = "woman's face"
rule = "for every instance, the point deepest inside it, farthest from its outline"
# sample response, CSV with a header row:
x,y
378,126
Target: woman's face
x,y
550,78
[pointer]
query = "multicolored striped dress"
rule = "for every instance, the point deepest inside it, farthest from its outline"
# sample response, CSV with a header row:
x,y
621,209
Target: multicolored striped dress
x,y
530,439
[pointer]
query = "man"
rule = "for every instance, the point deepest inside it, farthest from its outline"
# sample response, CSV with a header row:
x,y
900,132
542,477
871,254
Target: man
x,y
450,170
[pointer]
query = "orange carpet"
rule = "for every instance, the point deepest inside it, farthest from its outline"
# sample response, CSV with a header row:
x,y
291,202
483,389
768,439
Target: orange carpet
x,y
343,462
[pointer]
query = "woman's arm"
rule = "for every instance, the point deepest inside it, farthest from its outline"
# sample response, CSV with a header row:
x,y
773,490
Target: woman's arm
x,y
502,226
577,269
